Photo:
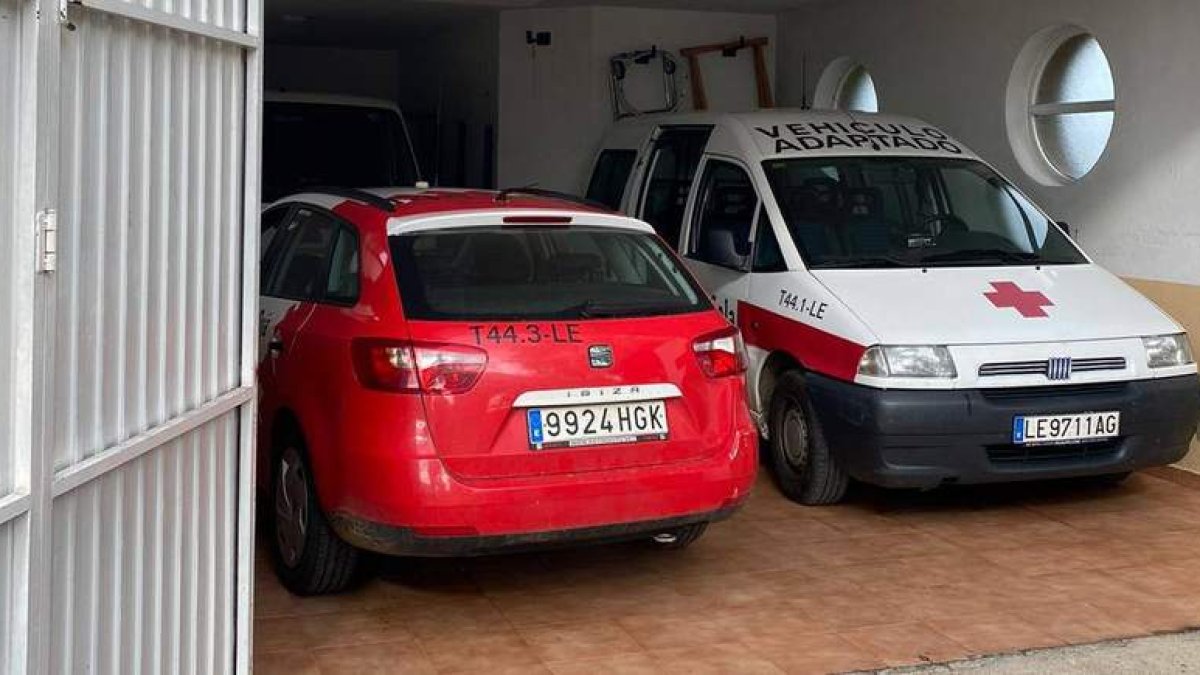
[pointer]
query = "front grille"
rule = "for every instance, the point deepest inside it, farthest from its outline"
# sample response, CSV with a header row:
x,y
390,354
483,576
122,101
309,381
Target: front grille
x,y
1094,451
1043,367
1071,390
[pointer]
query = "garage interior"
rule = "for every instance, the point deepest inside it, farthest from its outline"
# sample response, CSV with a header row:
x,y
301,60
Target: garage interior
x,y
889,579
129,205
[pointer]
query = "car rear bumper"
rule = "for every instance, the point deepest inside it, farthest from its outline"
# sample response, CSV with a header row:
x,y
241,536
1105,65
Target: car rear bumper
x,y
418,507
924,439
402,541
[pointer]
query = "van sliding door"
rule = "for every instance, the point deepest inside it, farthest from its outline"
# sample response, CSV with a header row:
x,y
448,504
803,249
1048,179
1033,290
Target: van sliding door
x,y
665,185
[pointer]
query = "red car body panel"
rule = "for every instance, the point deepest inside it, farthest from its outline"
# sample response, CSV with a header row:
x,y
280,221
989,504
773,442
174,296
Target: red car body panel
x,y
461,465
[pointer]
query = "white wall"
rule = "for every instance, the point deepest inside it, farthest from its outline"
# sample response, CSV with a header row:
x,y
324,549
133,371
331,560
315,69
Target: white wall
x,y
554,101
949,62
330,70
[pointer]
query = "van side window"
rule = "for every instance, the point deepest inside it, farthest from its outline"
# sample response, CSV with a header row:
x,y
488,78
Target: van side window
x,y
726,211
768,257
305,261
609,177
673,164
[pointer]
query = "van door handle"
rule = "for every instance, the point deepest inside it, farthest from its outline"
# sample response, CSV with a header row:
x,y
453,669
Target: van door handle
x,y
275,347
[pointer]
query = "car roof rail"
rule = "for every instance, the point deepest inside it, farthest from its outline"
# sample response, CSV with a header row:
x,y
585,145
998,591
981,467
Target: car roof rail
x,y
503,195
355,194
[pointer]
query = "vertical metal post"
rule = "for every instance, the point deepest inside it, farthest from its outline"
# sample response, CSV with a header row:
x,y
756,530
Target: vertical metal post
x,y
37,191
248,416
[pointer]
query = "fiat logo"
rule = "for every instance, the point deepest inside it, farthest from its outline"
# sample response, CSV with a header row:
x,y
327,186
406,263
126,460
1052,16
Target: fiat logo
x,y
600,356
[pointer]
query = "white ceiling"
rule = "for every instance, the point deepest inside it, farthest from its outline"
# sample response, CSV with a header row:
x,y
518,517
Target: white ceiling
x,y
382,23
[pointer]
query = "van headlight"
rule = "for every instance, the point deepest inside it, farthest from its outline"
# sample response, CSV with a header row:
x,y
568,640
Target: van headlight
x,y
921,361
1167,351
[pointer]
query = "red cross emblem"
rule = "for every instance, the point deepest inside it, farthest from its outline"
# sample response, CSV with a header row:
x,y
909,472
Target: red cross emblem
x,y
1029,303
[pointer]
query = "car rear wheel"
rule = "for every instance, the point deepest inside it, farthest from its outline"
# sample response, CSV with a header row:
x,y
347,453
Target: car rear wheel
x,y
801,463
309,558
678,538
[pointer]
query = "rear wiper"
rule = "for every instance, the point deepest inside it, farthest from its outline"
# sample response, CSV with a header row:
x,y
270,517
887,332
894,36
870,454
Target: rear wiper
x,y
865,261
981,255
596,309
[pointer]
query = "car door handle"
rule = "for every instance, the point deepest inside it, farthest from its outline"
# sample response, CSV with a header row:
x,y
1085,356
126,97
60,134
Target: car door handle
x,y
275,347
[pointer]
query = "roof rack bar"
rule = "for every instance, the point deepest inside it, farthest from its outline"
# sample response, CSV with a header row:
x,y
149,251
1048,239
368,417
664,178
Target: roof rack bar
x,y
504,194
361,196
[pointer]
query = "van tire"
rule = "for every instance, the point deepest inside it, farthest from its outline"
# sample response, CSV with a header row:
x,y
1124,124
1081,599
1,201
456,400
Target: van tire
x,y
318,562
684,537
801,463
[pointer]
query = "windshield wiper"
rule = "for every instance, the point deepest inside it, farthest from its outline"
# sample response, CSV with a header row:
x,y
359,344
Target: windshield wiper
x,y
983,255
864,261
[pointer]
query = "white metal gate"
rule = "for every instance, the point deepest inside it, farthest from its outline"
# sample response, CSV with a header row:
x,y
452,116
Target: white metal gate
x,y
128,204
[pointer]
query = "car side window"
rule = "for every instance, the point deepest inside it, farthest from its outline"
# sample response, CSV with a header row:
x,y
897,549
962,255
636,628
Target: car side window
x,y
725,216
342,286
271,241
609,177
305,260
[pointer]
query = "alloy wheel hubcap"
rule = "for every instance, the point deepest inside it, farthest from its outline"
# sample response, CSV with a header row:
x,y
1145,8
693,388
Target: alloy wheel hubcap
x,y
291,507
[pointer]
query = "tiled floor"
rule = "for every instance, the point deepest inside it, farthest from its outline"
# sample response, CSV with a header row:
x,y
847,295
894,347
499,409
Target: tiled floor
x,y
889,579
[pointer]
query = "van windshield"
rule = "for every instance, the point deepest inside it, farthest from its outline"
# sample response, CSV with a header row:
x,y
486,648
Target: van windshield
x,y
507,273
873,212
315,144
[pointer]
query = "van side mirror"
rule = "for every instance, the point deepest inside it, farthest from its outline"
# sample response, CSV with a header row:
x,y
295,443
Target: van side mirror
x,y
1065,227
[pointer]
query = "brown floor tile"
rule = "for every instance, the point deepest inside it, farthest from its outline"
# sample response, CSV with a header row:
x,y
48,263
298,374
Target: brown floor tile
x,y
656,631
351,628
721,659
1151,614
625,664
285,663
279,634
1078,623
534,610
576,641
401,658
994,633
464,617
821,653
852,610
906,644
490,652
762,625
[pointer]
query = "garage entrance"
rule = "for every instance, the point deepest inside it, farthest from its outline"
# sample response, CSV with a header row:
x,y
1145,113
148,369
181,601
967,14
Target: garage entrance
x,y
132,176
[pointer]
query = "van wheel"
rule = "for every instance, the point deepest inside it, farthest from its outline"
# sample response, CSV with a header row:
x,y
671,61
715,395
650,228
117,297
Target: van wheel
x,y
678,538
803,468
309,558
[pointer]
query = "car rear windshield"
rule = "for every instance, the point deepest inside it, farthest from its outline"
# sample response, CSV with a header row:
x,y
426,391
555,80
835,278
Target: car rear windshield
x,y
859,212
504,273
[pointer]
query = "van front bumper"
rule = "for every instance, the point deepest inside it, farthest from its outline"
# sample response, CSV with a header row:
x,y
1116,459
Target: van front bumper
x,y
926,438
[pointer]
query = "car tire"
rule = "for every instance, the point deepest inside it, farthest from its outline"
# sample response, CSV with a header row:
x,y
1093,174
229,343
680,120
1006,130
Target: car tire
x,y
801,463
309,558
678,538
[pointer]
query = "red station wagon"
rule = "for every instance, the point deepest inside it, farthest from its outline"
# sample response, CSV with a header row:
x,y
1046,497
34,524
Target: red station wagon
x,y
453,373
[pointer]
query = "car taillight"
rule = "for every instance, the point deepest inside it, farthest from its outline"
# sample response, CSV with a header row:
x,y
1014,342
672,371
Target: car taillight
x,y
722,353
409,368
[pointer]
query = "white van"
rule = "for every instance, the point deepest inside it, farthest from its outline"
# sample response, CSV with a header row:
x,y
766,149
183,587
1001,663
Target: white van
x,y
913,320
312,140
